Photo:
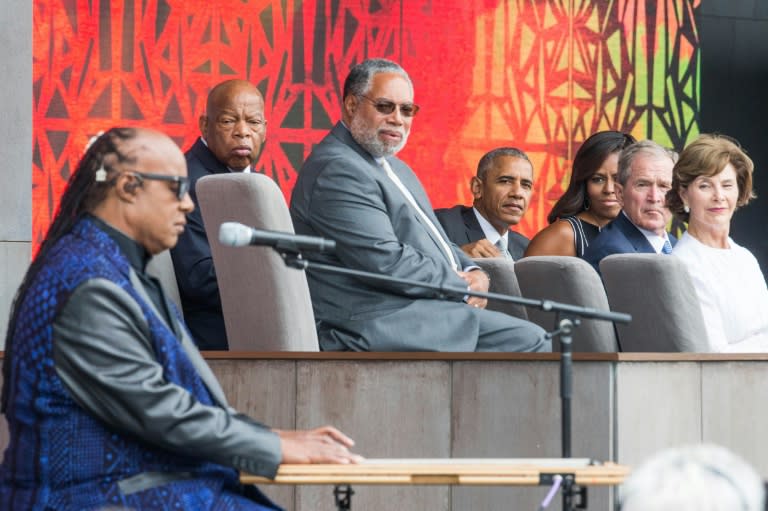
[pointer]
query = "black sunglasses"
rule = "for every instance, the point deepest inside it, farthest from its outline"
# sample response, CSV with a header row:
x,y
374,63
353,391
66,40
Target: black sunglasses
x,y
386,107
180,186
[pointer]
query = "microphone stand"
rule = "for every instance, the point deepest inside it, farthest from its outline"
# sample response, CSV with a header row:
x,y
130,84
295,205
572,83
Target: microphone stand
x,y
569,318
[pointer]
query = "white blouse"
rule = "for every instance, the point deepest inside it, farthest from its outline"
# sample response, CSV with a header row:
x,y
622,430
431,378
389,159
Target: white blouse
x,y
732,293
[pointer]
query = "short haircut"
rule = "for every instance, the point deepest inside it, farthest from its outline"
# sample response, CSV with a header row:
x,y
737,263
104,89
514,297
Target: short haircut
x,y
692,478
489,158
361,75
225,89
644,147
708,155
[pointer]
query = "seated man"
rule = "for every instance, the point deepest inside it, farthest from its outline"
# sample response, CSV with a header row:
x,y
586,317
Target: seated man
x,y
502,190
644,178
232,131
353,190
108,401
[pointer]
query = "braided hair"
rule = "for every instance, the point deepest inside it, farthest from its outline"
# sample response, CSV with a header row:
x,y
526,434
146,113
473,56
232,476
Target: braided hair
x,y
86,189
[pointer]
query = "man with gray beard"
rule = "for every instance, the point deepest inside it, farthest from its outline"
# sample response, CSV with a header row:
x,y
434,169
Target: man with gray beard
x,y
353,190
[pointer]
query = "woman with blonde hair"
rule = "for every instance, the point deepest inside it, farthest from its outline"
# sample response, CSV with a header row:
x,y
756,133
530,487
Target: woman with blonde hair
x,y
713,178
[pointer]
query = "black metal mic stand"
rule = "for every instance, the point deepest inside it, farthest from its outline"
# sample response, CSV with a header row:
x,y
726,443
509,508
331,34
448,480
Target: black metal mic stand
x,y
569,319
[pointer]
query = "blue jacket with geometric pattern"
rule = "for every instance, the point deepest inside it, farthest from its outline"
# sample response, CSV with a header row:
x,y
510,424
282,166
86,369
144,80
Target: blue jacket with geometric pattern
x,y
61,457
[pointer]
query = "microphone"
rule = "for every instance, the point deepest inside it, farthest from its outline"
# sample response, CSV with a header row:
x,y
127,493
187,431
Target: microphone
x,y
234,234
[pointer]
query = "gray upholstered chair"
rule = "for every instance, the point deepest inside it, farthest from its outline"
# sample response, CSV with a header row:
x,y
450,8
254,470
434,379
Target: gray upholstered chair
x,y
266,304
573,281
503,281
658,293
161,267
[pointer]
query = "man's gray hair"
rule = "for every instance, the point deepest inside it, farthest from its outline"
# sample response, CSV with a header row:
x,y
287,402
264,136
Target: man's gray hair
x,y
692,478
489,158
361,75
644,147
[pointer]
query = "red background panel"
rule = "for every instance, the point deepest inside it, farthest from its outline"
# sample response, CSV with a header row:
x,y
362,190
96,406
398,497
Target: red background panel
x,y
537,74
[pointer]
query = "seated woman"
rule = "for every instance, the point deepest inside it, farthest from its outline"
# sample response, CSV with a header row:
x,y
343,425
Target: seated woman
x,y
712,178
589,202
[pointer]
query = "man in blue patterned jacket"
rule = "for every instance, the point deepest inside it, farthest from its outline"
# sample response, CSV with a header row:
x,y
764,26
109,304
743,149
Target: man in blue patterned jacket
x,y
108,401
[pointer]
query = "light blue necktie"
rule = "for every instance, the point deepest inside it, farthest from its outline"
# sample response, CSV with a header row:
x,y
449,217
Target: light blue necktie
x,y
667,248
503,248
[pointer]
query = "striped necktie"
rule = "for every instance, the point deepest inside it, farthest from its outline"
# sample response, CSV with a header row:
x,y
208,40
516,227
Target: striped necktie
x,y
667,248
409,197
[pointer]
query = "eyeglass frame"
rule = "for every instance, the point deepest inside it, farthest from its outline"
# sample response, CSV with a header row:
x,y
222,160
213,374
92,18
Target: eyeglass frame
x,y
386,107
182,182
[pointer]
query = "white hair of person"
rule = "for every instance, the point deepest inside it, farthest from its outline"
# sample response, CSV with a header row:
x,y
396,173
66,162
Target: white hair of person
x,y
644,148
702,477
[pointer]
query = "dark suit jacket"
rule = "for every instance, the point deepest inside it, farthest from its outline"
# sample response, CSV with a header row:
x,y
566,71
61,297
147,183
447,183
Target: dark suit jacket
x,y
193,263
343,194
462,227
620,236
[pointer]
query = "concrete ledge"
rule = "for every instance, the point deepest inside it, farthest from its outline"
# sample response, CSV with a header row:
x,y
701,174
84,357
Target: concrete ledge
x,y
400,405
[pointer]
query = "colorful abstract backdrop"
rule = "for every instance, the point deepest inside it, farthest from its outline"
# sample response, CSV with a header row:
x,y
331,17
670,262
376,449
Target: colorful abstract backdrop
x,y
537,74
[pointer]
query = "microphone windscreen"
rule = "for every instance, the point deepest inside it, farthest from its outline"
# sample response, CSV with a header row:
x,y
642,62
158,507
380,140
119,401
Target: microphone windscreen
x,y
234,234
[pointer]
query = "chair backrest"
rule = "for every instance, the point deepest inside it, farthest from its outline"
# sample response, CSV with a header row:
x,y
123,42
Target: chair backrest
x,y
573,281
503,281
266,304
657,291
161,267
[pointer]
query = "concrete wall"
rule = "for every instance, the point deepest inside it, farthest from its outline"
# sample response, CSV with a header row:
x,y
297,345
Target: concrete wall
x,y
15,150
430,409
661,404
625,407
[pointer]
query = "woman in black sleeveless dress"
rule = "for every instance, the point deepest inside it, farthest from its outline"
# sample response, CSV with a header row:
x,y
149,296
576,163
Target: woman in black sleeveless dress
x,y
589,203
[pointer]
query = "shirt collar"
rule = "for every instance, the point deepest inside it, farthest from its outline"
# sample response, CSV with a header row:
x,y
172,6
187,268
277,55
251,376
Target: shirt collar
x,y
136,254
246,170
656,241
491,234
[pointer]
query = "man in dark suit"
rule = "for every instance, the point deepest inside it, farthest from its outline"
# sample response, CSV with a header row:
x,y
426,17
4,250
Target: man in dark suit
x,y
502,190
232,131
645,176
353,190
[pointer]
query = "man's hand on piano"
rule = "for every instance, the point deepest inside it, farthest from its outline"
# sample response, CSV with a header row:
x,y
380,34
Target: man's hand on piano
x,y
321,445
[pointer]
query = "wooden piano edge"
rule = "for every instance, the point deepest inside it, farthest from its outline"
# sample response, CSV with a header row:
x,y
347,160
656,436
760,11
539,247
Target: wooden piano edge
x,y
595,475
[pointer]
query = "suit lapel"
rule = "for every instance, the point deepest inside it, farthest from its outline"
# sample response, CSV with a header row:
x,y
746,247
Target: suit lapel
x,y
406,177
203,370
636,238
207,158
136,282
419,195
474,230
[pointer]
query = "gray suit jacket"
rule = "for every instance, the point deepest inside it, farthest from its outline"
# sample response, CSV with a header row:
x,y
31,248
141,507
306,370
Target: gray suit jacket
x,y
127,390
461,225
343,194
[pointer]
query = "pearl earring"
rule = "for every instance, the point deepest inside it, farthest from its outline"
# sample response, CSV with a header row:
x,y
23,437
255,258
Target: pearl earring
x,y
686,208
